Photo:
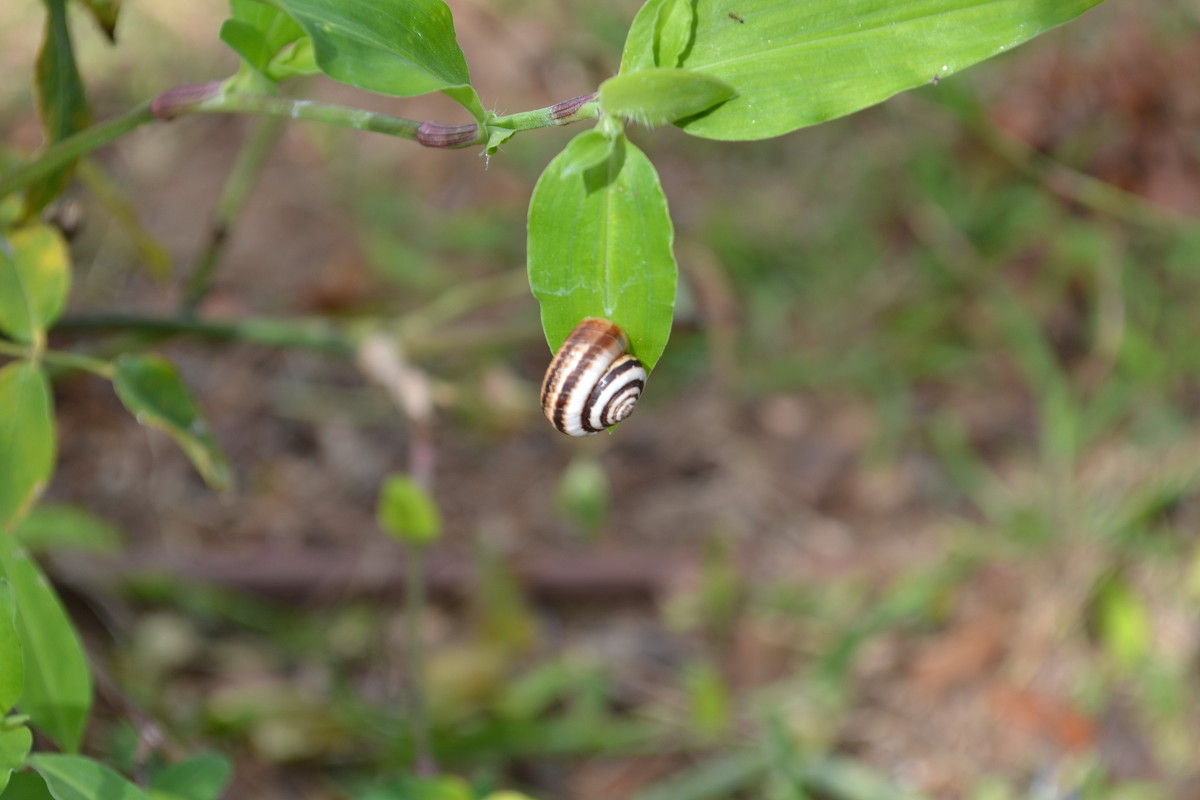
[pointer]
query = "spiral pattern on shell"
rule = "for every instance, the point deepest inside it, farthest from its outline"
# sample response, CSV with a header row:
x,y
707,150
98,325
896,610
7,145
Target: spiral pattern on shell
x,y
592,382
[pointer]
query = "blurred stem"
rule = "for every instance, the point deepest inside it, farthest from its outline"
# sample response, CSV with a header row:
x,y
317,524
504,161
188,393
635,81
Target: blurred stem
x,y
253,155
59,358
303,334
73,147
415,597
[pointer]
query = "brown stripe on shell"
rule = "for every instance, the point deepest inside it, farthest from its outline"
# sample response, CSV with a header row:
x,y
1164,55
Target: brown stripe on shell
x,y
593,340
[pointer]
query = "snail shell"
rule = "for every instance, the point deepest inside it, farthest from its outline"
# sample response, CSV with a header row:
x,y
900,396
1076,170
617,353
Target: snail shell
x,y
592,383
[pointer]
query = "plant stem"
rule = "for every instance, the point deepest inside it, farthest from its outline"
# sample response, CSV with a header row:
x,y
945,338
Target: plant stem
x,y
300,333
229,207
73,147
415,596
60,358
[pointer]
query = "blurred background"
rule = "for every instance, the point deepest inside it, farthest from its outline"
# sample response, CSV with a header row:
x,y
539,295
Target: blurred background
x,y
909,510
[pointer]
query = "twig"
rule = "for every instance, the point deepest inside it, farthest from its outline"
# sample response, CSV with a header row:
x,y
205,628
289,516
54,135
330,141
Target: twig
x,y
229,207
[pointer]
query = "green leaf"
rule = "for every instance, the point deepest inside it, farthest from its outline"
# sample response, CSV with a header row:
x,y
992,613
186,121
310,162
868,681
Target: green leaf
x,y
78,778
152,391
14,747
27,786
35,276
259,33
201,777
55,527
658,96
600,246
591,148
26,439
105,12
58,688
12,668
674,30
407,512
797,64
62,103
395,47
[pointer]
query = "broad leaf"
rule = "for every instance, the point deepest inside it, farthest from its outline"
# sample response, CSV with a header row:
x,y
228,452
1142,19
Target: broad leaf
x,y
657,96
34,280
797,64
26,439
55,527
600,246
14,747
202,777
58,688
396,47
12,669
151,390
78,778
407,513
61,100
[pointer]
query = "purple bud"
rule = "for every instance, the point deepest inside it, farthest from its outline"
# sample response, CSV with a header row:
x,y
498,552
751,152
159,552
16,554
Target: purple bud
x,y
175,102
562,112
435,134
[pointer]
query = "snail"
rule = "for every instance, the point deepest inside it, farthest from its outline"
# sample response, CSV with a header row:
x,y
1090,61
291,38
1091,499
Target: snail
x,y
592,382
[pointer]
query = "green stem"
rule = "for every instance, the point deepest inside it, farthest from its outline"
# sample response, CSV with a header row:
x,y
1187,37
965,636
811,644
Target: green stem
x,y
71,148
60,358
229,207
415,596
303,334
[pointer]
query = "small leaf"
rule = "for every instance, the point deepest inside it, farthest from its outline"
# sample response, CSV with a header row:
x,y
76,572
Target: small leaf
x,y
201,777
294,61
151,390
14,747
259,33
35,273
593,148
55,527
78,778
658,96
600,246
62,103
1122,621
395,47
407,512
26,439
12,668
797,64
583,493
58,688
105,12
674,30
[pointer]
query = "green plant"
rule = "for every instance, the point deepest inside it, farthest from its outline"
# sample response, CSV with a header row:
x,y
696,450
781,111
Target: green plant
x,y
600,236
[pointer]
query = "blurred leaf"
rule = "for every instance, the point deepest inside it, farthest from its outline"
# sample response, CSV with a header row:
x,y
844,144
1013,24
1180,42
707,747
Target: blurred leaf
x,y
34,280
54,527
797,64
78,778
62,103
1122,621
12,668
14,747
583,493
395,47
660,95
507,796
407,513
58,688
27,445
501,616
200,777
717,778
600,246
27,786
150,388
105,12
708,699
